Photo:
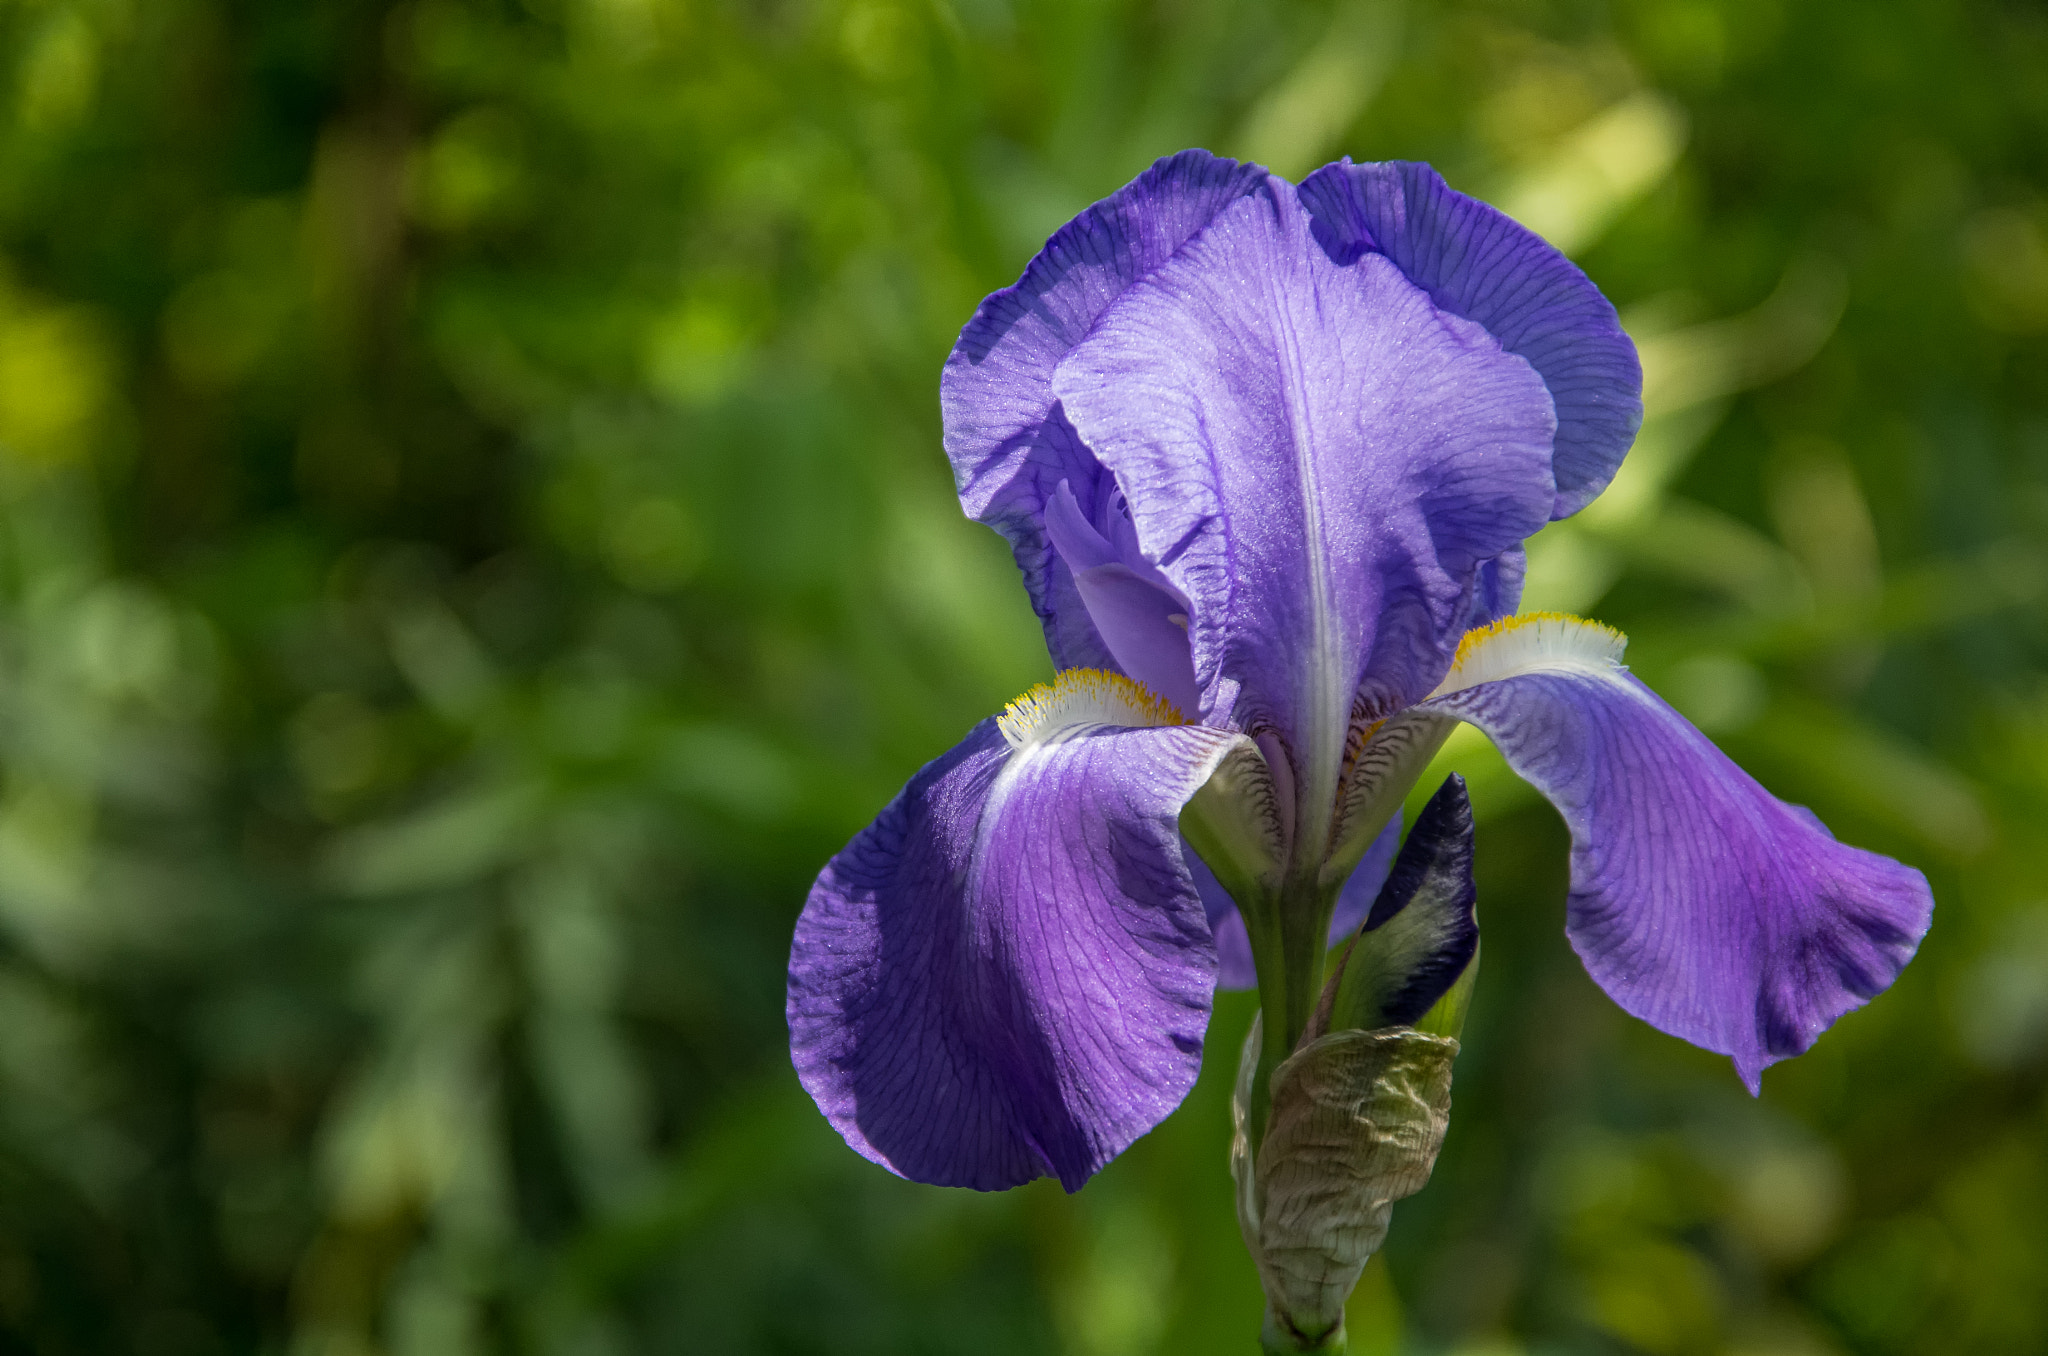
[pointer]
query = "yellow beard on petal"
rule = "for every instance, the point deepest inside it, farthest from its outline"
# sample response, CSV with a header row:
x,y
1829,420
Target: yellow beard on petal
x,y
1079,699
1529,642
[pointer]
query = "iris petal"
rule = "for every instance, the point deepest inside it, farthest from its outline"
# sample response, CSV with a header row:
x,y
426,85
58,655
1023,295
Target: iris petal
x,y
1700,902
1009,443
1145,629
1139,617
1319,459
1479,263
1008,974
1497,588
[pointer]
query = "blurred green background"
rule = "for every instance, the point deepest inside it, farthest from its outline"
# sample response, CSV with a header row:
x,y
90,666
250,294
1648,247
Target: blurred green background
x,y
474,540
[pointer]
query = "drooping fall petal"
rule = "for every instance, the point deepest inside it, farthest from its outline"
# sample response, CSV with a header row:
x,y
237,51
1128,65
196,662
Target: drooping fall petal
x,y
1701,903
1008,974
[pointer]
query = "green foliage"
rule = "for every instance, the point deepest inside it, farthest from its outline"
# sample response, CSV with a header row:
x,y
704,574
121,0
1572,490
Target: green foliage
x,y
473,541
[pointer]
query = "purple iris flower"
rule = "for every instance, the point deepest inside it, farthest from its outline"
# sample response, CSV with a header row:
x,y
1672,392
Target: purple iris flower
x,y
1267,456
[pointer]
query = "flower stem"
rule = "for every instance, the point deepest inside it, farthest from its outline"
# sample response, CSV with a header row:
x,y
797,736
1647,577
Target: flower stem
x,y
1288,942
1281,1338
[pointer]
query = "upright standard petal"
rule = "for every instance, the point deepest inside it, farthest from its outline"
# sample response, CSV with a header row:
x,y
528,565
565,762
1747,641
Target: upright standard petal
x,y
1479,263
1008,974
1700,902
1319,459
1009,443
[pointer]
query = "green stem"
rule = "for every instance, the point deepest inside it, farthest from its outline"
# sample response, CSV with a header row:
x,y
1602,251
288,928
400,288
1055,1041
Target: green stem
x,y
1279,1338
1288,943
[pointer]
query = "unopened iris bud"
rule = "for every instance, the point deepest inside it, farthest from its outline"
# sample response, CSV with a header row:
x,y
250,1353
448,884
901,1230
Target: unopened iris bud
x,y
1421,936
1357,1120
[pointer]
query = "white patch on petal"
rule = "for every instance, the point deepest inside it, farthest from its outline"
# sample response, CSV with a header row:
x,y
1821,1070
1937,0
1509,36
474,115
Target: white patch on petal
x,y
1535,642
1083,699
